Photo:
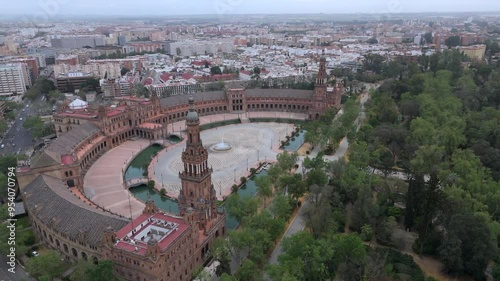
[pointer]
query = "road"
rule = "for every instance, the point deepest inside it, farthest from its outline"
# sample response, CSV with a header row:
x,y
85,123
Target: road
x,y
17,134
19,274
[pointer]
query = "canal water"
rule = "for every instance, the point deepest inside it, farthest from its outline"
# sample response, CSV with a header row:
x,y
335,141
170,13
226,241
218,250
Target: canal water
x,y
139,165
295,144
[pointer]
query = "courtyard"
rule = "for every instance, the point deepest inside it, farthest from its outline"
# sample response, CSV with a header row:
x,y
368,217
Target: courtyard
x,y
250,143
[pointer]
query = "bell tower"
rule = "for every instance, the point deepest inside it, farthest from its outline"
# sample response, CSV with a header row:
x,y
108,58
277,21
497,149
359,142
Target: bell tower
x,y
320,88
197,190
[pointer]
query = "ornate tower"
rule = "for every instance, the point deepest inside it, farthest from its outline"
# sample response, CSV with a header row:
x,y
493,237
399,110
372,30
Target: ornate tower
x,y
197,190
320,88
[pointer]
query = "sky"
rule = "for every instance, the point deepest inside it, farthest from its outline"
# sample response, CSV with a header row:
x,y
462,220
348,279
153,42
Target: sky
x,y
188,7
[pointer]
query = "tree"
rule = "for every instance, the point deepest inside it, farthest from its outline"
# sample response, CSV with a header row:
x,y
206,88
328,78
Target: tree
x,y
452,41
178,51
468,238
316,177
124,71
239,208
45,266
3,127
372,40
364,209
87,271
428,38
33,122
90,84
140,91
222,253
215,70
281,207
264,187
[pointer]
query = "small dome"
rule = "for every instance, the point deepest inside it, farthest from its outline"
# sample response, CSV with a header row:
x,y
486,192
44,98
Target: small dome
x,y
192,115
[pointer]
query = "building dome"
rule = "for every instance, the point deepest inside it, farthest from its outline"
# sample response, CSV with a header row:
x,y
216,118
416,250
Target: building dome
x,y
192,115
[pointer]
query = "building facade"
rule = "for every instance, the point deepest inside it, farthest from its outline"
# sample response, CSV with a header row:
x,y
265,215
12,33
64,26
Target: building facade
x,y
161,247
14,79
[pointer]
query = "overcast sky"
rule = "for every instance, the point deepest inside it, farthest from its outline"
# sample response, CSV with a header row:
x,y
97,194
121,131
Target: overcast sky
x,y
185,7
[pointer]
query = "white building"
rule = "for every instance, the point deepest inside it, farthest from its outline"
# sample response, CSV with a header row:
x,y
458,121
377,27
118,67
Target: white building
x,y
14,79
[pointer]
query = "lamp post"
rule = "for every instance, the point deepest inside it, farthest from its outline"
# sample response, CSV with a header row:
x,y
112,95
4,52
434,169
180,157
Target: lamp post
x,y
162,185
247,164
234,175
257,155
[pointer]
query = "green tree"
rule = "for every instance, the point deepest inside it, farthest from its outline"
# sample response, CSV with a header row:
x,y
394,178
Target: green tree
x,y
215,70
87,271
452,41
124,71
281,207
468,238
46,266
3,127
239,208
364,209
316,177
264,187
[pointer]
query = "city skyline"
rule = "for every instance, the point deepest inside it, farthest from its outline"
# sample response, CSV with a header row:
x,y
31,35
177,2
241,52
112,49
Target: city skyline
x,y
198,7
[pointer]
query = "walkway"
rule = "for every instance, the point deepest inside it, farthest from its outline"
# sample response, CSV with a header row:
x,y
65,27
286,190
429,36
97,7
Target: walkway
x,y
103,183
298,223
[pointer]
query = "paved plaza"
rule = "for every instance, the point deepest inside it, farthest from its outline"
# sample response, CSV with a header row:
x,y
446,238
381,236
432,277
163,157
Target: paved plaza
x,y
103,183
251,143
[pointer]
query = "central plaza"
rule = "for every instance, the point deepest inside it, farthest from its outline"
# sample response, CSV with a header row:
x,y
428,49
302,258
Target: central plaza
x,y
250,144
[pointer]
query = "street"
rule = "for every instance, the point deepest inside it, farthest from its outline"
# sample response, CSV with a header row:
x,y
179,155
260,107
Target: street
x,y
17,134
19,274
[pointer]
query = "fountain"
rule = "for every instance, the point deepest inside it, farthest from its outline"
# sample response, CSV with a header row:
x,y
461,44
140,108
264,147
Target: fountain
x,y
221,146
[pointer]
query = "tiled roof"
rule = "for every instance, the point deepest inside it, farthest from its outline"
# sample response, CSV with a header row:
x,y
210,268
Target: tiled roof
x,y
65,143
50,200
284,93
42,159
183,99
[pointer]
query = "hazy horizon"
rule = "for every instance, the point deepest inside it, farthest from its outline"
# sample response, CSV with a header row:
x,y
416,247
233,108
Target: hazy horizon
x,y
217,7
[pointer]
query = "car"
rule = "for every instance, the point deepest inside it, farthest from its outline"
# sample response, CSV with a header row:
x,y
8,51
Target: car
x,y
21,119
24,110
27,105
13,144
2,146
35,254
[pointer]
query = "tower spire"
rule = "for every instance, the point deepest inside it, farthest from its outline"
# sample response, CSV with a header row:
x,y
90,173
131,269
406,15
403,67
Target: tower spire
x,y
196,178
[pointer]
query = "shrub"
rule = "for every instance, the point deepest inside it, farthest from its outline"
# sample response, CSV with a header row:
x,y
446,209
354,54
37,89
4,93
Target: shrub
x,y
366,232
253,170
163,192
243,180
151,184
234,188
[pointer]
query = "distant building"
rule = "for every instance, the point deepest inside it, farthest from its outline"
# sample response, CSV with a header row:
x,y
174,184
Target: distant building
x,y
77,42
69,82
476,52
14,79
69,60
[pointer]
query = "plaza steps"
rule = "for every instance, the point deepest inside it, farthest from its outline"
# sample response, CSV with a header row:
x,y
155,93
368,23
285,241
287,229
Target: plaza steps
x,y
244,119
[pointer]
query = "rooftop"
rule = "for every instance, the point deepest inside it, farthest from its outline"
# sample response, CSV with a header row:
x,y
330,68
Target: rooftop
x,y
53,204
162,228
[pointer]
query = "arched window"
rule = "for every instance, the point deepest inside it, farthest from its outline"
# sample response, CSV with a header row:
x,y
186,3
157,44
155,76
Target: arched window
x,y
75,253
